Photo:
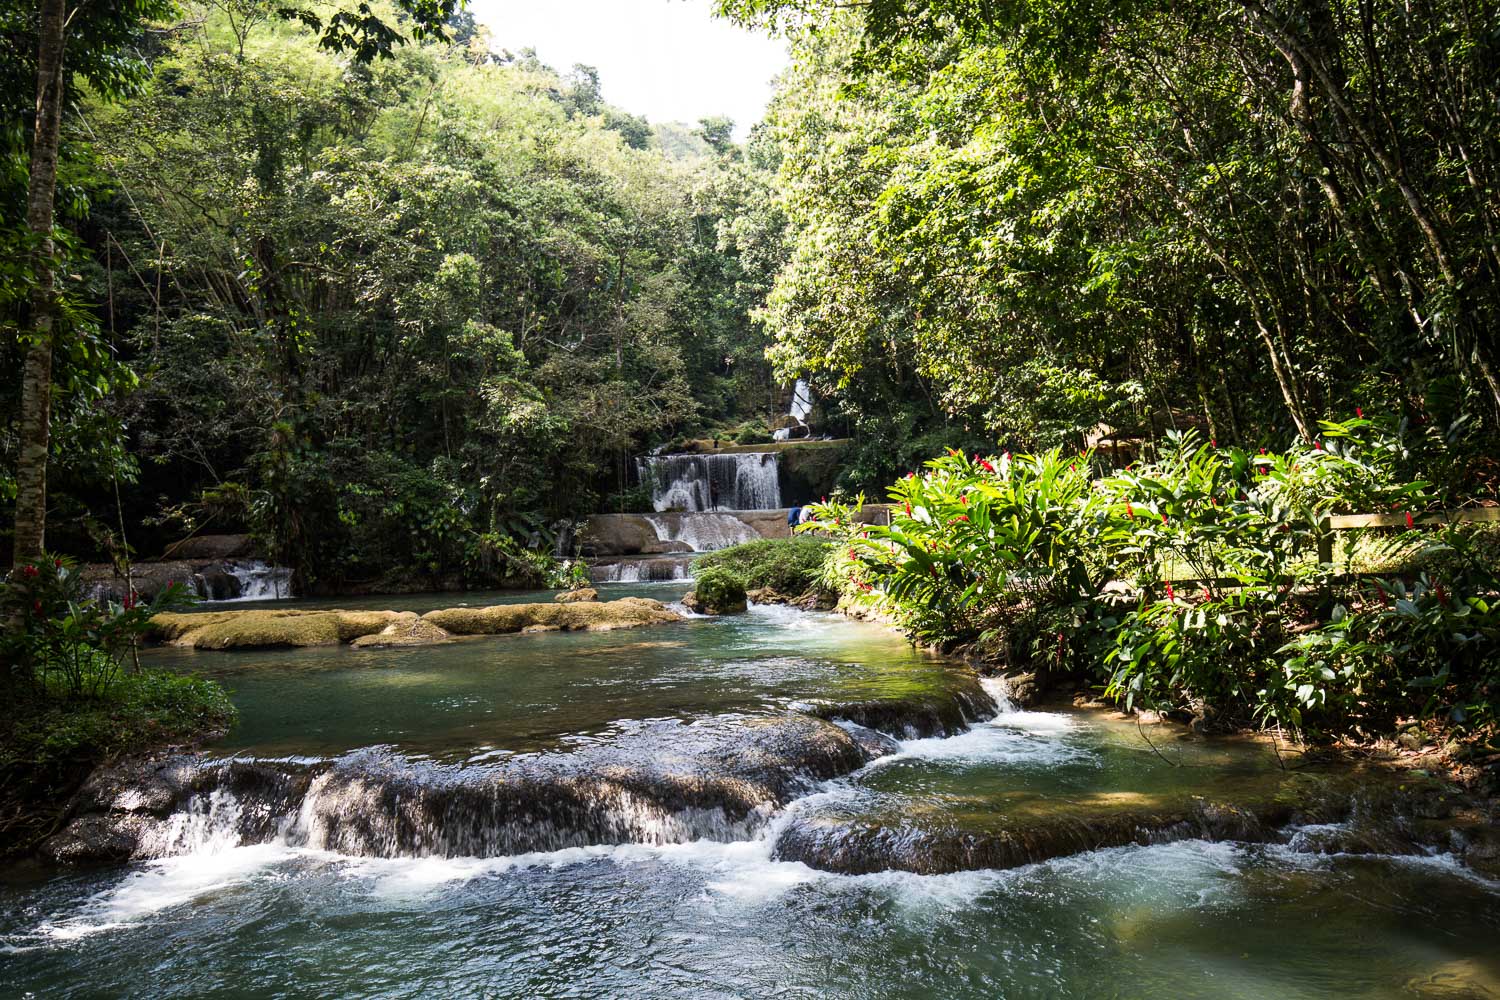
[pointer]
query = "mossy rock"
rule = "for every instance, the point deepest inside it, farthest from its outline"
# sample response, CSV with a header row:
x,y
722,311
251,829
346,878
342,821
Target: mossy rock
x,y
717,592
269,629
575,596
264,629
409,630
594,616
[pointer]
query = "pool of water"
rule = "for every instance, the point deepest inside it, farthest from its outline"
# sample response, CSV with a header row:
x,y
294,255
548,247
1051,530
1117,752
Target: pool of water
x,y
483,695
726,918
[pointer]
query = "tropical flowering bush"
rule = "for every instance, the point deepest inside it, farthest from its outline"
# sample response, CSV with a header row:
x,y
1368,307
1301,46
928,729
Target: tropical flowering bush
x,y
1433,641
56,641
1181,584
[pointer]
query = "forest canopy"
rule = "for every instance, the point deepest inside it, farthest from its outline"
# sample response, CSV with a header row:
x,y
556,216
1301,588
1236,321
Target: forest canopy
x,y
1250,216
397,316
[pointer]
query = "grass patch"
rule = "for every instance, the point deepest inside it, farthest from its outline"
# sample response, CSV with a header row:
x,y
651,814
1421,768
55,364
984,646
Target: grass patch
x,y
790,566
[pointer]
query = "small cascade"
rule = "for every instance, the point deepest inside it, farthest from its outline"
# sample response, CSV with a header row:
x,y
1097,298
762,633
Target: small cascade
x,y
258,581
220,581
705,532
724,781
642,569
741,481
800,407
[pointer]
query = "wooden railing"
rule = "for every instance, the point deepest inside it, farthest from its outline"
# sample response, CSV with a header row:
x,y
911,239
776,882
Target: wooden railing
x,y
1346,522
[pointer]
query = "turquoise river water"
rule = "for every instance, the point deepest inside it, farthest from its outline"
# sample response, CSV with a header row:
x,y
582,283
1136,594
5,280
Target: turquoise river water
x,y
724,917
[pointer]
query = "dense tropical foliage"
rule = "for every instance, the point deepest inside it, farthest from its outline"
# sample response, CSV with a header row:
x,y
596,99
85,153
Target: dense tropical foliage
x,y
1242,215
397,317
1204,581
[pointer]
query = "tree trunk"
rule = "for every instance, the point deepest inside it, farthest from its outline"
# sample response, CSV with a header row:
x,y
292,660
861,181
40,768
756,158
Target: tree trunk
x,y
36,381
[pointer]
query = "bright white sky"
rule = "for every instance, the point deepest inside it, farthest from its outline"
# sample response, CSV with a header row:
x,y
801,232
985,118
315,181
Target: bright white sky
x,y
670,60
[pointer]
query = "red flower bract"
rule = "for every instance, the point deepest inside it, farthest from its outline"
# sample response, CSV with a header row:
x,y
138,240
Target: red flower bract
x,y
1171,594
1409,522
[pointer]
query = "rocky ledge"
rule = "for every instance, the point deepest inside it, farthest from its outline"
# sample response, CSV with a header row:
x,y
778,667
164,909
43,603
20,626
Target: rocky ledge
x,y
261,629
658,781
651,781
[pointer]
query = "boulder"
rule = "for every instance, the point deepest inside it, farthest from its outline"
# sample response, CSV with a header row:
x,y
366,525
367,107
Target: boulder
x,y
212,547
580,594
263,629
593,616
408,630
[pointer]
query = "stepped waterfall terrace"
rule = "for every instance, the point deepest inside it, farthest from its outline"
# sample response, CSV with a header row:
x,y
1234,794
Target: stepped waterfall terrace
x,y
668,812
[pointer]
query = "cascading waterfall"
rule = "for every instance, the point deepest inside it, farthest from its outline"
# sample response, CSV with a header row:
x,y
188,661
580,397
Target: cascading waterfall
x,y
703,533
742,481
799,409
259,581
646,569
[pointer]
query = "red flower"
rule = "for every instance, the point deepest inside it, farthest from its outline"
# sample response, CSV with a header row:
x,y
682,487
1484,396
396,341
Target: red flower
x,y
1441,594
1073,466
964,501
1409,523
961,517
1263,451
1213,442
57,563
1171,594
1384,597
1164,519
1318,445
1129,510
908,510
986,466
28,571
1207,595
851,554
1358,412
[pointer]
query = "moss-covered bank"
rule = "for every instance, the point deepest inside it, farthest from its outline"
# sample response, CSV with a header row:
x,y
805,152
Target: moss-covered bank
x,y
262,629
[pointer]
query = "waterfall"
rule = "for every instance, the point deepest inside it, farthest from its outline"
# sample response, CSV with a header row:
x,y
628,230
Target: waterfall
x,y
798,411
259,581
744,481
704,532
645,569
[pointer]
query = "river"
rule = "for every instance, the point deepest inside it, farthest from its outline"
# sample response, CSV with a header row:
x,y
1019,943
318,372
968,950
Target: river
x,y
715,905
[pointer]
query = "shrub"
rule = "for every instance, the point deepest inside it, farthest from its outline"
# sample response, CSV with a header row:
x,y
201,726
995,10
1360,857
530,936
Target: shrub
x,y
719,592
74,696
790,566
58,642
1191,582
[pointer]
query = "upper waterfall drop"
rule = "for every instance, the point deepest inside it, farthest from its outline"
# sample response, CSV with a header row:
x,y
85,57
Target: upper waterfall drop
x,y
687,482
799,409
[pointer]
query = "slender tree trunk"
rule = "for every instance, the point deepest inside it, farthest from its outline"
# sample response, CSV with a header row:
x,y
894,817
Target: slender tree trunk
x,y
36,380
